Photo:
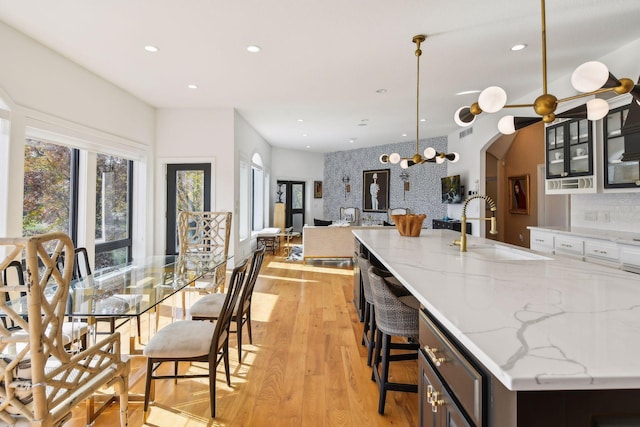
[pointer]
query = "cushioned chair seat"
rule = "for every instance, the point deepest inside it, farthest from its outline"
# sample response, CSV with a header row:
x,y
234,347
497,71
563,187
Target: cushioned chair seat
x,y
184,338
207,305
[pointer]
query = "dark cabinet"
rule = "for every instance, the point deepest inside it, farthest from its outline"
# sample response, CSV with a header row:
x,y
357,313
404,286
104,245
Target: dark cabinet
x,y
449,225
569,149
437,408
622,147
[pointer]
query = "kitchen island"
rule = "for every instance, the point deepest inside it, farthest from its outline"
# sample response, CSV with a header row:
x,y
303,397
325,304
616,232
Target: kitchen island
x,y
529,323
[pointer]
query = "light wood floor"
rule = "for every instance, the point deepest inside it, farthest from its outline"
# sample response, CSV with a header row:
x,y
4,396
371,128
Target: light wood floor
x,y
306,366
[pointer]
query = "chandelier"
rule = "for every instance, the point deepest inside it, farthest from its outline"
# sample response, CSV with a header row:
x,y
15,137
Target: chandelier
x,y
590,78
430,154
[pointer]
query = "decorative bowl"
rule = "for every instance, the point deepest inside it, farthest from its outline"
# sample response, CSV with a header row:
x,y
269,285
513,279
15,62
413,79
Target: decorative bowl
x,y
409,225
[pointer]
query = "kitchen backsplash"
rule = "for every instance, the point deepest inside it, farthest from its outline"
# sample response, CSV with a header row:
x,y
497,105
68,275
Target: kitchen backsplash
x,y
610,211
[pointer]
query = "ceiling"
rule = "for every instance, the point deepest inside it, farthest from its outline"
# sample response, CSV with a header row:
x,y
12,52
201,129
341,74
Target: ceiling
x,y
324,61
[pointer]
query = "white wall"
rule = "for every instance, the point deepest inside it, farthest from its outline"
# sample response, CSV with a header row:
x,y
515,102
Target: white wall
x,y
622,63
248,142
47,91
298,165
194,136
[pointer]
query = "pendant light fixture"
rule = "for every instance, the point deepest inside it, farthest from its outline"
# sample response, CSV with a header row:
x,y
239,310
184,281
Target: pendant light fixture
x,y
430,154
590,78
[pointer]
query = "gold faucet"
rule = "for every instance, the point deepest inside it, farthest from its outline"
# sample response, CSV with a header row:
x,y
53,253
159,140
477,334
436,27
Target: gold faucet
x,y
463,219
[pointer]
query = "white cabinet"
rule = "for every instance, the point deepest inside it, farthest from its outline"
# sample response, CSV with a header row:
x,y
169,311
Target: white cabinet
x,y
541,241
568,245
630,258
602,252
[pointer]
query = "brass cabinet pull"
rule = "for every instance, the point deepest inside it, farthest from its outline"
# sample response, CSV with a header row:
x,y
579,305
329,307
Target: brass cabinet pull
x,y
431,352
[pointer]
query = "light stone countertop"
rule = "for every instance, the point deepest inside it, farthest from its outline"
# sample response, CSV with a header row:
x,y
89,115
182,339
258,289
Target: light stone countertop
x,y
547,324
629,238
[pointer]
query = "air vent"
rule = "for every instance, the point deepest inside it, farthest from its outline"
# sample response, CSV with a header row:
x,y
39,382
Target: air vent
x,y
466,132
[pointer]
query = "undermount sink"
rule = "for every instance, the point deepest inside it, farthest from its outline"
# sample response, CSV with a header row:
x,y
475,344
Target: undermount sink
x,y
503,253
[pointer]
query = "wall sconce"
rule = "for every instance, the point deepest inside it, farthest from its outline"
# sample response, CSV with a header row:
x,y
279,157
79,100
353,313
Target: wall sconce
x,y
404,176
347,187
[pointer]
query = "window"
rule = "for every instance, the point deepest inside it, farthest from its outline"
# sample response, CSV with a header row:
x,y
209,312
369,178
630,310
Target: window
x,y
113,210
244,201
50,188
52,201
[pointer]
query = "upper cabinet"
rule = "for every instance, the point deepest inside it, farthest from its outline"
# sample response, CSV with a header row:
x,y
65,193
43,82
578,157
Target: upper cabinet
x,y
570,156
621,131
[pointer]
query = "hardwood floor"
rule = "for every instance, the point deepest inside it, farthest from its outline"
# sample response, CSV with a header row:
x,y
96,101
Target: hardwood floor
x,y
306,366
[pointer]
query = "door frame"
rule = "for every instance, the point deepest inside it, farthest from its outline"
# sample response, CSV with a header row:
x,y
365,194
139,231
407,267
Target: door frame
x,y
288,210
159,226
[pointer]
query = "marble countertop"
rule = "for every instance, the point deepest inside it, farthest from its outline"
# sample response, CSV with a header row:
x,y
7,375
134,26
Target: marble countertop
x,y
545,324
628,238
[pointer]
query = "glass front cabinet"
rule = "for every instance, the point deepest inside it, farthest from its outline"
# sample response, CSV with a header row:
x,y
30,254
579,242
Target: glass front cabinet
x,y
569,149
621,130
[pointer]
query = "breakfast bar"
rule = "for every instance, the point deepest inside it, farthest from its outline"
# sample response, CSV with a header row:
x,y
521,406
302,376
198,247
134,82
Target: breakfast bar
x,y
541,334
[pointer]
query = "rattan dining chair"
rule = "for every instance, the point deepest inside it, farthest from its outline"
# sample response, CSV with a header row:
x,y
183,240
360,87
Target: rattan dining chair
x,y
40,381
207,232
209,306
393,318
195,341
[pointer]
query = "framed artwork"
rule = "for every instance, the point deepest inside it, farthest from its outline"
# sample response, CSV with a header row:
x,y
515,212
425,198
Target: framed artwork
x,y
519,194
375,190
317,189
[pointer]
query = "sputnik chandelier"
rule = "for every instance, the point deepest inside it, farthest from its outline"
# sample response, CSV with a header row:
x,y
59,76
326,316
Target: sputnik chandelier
x,y
430,154
590,78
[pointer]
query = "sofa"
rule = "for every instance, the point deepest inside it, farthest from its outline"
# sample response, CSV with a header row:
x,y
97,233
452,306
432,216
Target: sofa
x,y
329,242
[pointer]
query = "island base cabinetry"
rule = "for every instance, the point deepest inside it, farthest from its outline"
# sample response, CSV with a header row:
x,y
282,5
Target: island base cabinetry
x,y
456,390
437,408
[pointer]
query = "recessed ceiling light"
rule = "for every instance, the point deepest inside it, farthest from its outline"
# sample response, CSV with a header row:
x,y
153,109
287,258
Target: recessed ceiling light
x,y
381,91
308,146
300,120
151,48
192,86
467,92
304,134
518,46
352,140
423,119
254,48
404,134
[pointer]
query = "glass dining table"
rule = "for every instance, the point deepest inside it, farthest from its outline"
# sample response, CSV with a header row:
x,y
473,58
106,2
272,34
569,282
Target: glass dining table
x,y
137,288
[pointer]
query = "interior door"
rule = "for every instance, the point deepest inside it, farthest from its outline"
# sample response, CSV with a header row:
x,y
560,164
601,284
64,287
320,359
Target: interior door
x,y
188,189
294,192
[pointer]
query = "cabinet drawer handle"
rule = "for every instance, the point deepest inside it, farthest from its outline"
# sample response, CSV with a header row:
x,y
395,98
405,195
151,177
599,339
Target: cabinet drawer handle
x,y
564,245
432,397
431,352
540,240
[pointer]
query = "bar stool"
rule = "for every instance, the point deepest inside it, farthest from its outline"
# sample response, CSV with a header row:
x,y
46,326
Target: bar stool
x,y
369,330
393,318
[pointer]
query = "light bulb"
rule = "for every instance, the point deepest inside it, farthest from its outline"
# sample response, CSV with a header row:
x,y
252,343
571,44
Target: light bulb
x,y
384,158
394,158
440,160
463,116
506,125
404,164
429,152
456,157
597,108
590,76
492,99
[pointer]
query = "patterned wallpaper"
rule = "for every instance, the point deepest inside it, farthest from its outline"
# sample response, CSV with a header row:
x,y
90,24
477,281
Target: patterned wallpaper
x,y
424,195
